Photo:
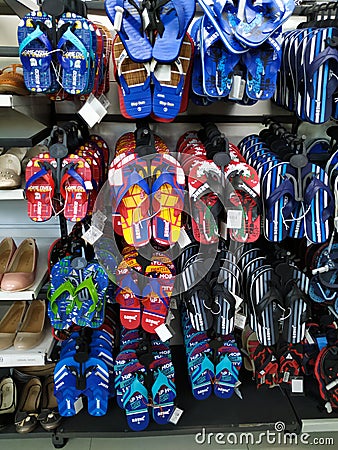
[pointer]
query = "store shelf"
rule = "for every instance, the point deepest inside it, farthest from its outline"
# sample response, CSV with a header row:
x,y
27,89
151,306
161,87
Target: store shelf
x,y
31,113
12,194
12,357
41,277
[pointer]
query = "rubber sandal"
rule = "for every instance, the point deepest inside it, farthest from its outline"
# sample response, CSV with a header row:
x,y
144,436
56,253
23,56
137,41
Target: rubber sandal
x,y
261,20
40,186
223,16
75,183
167,199
266,366
226,371
174,17
218,62
35,51
202,372
171,83
155,305
262,66
163,395
135,402
127,20
133,80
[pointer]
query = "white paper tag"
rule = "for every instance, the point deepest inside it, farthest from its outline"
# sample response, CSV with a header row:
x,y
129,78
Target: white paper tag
x,y
184,239
116,179
234,218
169,318
104,101
242,89
286,377
145,19
92,111
238,393
309,337
235,88
92,235
239,301
297,385
173,303
163,332
118,18
224,230
163,72
98,220
176,415
78,405
89,185
240,321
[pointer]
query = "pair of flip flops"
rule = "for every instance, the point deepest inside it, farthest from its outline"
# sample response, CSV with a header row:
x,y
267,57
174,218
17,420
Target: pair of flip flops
x,y
89,378
141,387
80,50
240,194
219,72
307,83
144,292
147,198
135,21
210,371
153,88
77,294
277,296
297,199
210,298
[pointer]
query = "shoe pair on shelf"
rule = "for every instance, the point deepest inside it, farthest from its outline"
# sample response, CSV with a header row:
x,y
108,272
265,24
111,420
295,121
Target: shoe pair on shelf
x,y
28,399
17,264
13,163
12,80
23,327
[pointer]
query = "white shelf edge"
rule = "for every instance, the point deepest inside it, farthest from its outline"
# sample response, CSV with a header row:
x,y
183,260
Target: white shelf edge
x,y
41,276
319,425
12,194
36,356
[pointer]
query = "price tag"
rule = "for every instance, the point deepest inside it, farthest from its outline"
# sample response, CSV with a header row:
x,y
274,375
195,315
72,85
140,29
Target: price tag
x,y
309,337
78,405
184,240
163,332
145,19
98,220
176,415
234,218
92,235
297,385
224,230
235,93
92,111
118,18
240,321
286,377
239,301
163,72
173,303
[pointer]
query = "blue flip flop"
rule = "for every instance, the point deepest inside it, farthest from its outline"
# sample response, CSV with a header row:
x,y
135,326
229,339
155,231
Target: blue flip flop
x,y
223,16
218,62
163,396
35,51
263,64
135,404
262,19
76,53
127,20
175,16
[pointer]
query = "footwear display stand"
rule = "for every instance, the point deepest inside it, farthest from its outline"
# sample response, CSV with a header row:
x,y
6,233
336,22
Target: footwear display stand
x,y
257,410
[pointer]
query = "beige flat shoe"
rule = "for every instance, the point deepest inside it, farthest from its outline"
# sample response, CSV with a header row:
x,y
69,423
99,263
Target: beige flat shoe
x,y
10,171
20,275
31,332
10,324
7,250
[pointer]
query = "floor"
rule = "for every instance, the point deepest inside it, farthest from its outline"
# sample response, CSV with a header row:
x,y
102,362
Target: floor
x,y
327,440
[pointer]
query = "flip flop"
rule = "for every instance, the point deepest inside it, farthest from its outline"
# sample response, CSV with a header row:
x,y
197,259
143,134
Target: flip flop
x,y
262,65
261,20
174,19
76,180
127,296
163,395
133,79
135,401
318,203
76,53
218,63
127,20
155,305
167,200
170,82
223,17
35,51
